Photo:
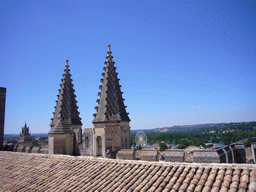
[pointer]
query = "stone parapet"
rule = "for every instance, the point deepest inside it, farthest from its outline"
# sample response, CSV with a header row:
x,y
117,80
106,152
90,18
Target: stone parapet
x,y
209,156
149,155
239,154
21,149
174,155
128,154
36,149
253,147
44,150
61,143
228,153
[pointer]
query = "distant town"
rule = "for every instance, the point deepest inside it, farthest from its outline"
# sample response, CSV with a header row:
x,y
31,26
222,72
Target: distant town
x,y
190,137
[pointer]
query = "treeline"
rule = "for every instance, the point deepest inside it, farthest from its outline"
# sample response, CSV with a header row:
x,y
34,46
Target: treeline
x,y
185,139
224,134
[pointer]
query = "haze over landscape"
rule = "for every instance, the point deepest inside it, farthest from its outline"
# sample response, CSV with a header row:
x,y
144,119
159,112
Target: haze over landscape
x,y
180,62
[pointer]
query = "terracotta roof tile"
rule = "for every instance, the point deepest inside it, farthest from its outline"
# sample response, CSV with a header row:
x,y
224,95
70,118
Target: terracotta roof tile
x,y
42,172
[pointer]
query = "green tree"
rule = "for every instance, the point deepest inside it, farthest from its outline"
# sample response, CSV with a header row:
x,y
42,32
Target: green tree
x,y
181,146
35,143
163,146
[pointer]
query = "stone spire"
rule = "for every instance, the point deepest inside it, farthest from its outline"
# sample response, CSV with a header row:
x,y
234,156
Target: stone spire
x,y
25,137
25,130
110,103
66,111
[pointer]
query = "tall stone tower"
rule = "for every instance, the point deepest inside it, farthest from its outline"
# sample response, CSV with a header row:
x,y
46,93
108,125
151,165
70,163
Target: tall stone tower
x,y
2,114
66,133
25,137
111,121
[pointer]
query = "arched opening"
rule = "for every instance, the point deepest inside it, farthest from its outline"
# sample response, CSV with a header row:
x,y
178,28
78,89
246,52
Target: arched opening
x,y
86,141
99,146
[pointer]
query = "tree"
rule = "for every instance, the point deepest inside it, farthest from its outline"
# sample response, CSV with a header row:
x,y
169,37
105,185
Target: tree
x,y
163,146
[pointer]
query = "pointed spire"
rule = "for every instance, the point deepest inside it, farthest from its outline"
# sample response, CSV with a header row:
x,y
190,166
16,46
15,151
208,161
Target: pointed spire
x,y
25,130
110,103
66,113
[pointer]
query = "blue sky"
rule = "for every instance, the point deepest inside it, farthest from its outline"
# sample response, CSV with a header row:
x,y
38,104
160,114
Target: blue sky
x,y
180,62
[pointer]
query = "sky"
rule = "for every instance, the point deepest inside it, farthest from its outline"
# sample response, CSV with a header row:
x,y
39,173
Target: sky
x,y
180,62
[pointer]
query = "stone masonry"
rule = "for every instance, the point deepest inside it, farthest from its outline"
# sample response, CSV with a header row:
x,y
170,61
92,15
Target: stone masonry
x,y
2,114
111,131
206,156
66,133
174,155
253,147
128,154
148,154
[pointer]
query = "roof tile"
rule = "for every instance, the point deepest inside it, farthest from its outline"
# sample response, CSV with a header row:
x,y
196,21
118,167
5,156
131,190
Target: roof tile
x,y
42,172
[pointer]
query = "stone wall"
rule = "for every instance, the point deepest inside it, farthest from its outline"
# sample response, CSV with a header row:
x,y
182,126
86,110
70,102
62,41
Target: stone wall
x,y
21,148
99,142
2,114
174,155
44,150
36,150
149,155
207,156
128,154
61,143
88,142
238,153
228,154
253,147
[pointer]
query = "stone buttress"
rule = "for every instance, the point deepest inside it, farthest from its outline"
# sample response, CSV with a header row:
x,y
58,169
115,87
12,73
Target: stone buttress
x,y
66,133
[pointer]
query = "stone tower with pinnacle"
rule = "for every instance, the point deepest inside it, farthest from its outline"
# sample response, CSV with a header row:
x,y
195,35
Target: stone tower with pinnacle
x,y
111,130
25,137
66,133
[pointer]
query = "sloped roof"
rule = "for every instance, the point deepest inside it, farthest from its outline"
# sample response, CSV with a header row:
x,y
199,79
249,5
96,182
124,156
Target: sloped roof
x,y
66,110
110,103
41,172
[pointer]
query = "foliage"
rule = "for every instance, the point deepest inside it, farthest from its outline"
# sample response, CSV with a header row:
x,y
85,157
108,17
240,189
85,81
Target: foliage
x,y
250,140
12,141
35,143
222,133
181,146
230,137
208,146
163,146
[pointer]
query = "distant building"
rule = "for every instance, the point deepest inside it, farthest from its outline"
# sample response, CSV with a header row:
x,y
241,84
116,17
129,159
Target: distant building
x,y
2,114
25,137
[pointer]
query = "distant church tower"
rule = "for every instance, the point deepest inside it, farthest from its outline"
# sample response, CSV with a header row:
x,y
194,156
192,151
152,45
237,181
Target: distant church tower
x,y
66,133
25,137
111,121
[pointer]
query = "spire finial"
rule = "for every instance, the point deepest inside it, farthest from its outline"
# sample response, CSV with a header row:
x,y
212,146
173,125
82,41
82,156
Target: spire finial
x,y
67,66
109,56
